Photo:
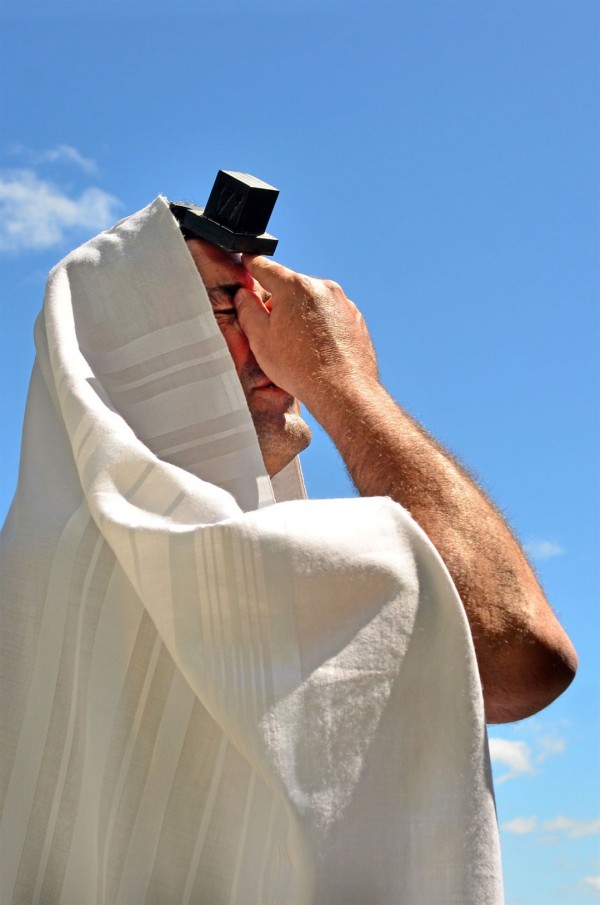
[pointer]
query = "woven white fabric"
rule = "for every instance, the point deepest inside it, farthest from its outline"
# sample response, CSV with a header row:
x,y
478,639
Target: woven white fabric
x,y
208,696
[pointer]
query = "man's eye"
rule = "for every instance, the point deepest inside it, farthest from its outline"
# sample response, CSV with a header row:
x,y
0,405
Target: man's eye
x,y
221,298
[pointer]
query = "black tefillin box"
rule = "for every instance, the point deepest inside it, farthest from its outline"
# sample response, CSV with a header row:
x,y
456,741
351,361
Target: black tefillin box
x,y
236,214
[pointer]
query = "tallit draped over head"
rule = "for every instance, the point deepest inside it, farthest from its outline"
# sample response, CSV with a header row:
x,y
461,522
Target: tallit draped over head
x,y
208,696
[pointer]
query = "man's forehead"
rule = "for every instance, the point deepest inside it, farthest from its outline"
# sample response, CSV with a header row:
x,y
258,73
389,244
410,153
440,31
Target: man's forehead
x,y
205,253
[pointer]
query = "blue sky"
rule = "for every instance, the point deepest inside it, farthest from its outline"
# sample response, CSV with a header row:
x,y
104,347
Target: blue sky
x,y
440,161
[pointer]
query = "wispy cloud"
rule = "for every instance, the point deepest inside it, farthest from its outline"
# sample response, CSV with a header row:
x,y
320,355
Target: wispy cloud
x,y
520,825
517,756
574,829
543,549
522,758
559,826
59,154
550,746
592,884
36,214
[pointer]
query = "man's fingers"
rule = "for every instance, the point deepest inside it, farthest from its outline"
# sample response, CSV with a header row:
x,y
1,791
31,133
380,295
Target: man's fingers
x,y
253,316
269,273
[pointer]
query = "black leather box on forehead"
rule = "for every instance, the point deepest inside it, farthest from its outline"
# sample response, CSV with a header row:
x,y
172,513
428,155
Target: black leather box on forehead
x,y
236,214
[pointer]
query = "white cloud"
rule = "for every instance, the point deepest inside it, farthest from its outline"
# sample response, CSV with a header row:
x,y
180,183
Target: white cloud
x,y
36,213
575,829
592,884
550,746
69,154
515,755
543,549
523,758
520,825
59,154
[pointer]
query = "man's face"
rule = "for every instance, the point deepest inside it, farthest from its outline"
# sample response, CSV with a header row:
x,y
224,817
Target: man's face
x,y
282,433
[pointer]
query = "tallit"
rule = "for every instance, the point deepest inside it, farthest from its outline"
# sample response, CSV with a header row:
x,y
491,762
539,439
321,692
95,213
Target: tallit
x,y
208,696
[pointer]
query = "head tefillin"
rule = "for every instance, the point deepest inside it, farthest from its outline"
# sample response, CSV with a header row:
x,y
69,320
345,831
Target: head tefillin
x,y
236,214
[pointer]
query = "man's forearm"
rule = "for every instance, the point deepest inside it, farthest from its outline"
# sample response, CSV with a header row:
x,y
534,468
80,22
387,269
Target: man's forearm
x,y
525,658
312,341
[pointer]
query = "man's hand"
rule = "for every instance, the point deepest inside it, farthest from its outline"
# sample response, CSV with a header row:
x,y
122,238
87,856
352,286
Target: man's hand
x,y
308,337
312,341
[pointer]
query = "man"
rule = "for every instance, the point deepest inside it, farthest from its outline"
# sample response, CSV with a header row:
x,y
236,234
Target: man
x,y
293,336
217,691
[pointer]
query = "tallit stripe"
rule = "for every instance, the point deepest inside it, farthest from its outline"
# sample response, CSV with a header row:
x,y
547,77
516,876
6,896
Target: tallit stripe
x,y
149,486
216,866
273,577
247,559
24,579
128,718
216,603
137,484
143,348
135,772
268,838
238,645
233,897
243,645
190,434
61,824
252,631
156,365
206,636
162,373
32,755
221,469
185,808
212,448
254,620
230,627
114,643
79,442
207,814
167,745
234,395
40,822
262,844
278,878
179,499
184,377
186,596
137,567
220,396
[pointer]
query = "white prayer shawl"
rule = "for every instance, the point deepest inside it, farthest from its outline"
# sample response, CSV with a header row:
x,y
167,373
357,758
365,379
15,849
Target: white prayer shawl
x,y
209,697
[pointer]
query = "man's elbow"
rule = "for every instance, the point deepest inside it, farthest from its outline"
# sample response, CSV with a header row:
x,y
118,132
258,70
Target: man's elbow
x,y
539,671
